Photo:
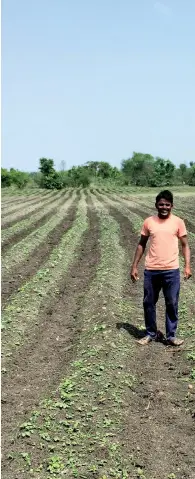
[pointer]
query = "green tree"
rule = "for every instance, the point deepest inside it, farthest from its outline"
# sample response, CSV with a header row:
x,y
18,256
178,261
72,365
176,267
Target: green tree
x,y
79,176
104,169
139,169
46,166
19,178
191,177
50,179
5,178
164,172
183,171
93,167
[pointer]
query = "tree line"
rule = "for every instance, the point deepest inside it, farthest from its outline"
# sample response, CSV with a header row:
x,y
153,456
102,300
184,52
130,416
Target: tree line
x,y
139,170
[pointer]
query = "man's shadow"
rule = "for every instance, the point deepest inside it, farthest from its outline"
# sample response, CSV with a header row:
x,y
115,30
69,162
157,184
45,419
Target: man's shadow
x,y
139,333
132,330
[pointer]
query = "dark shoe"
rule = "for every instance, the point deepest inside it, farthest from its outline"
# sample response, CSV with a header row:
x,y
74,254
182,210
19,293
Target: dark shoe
x,y
175,342
144,341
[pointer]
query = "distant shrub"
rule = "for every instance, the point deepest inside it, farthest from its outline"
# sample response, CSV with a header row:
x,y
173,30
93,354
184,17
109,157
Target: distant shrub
x,y
5,178
14,177
52,181
79,176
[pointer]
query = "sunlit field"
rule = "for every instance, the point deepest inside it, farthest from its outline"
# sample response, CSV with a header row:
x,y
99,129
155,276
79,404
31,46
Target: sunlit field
x,y
80,398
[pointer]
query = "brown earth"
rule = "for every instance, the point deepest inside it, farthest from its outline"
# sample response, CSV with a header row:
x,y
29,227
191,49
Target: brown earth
x,y
50,345
25,216
25,201
7,200
157,423
24,271
13,201
19,235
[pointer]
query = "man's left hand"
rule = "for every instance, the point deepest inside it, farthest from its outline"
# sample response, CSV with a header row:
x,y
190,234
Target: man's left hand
x,y
187,272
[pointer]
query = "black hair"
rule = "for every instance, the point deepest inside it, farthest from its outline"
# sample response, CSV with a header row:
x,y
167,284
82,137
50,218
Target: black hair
x,y
166,194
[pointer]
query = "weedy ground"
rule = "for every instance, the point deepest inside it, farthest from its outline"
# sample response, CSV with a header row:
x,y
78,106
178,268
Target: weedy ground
x,y
80,398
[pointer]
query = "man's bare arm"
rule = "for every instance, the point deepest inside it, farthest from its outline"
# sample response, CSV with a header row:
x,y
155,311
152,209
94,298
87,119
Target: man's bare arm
x,y
138,255
186,255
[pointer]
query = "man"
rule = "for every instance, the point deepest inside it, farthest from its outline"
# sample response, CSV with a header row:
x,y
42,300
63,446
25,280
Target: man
x,y
162,266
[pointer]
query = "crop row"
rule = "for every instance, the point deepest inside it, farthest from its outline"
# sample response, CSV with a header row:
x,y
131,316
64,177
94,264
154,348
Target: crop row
x,y
86,413
16,207
24,306
80,430
24,225
20,251
26,210
14,199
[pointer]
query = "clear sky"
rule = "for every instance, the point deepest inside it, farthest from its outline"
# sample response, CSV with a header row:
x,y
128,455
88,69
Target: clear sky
x,y
95,80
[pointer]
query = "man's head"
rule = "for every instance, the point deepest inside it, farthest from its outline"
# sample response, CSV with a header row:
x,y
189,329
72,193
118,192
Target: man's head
x,y
164,204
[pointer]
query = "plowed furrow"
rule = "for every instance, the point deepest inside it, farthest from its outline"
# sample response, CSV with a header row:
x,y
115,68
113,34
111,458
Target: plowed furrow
x,y
13,218
50,345
22,272
157,414
19,235
15,200
27,202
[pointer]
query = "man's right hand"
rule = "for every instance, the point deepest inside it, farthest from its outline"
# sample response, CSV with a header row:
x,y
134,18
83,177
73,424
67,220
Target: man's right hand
x,y
134,274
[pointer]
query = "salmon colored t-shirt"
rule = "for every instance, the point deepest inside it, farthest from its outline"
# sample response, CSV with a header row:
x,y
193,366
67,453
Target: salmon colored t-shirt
x,y
163,250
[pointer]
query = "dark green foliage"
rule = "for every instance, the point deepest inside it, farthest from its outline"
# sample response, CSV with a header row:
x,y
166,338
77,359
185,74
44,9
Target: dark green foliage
x,y
50,179
140,170
5,178
191,176
104,170
14,177
46,166
79,176
19,178
145,170
163,172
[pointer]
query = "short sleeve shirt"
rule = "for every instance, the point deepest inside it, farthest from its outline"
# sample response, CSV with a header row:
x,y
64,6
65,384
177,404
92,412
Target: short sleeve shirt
x,y
163,252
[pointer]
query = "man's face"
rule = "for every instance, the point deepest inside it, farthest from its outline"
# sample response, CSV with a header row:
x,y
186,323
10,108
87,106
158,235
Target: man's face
x,y
164,208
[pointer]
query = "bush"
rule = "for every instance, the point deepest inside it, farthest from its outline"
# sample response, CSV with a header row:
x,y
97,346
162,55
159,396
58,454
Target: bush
x,y
5,178
16,177
79,176
19,178
52,181
191,178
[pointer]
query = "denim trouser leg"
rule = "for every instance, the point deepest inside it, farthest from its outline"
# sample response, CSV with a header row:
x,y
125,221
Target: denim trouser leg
x,y
152,287
171,288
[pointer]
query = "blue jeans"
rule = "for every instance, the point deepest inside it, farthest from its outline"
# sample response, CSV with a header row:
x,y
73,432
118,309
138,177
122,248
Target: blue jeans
x,y
169,282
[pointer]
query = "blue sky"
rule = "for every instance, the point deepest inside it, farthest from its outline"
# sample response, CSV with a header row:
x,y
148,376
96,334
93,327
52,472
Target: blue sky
x,y
95,80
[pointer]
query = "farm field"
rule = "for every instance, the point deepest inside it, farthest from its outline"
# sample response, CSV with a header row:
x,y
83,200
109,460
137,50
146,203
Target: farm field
x,y
80,398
